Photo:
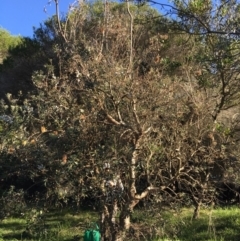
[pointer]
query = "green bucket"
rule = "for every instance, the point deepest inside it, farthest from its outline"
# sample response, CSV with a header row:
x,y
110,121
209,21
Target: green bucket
x,y
92,234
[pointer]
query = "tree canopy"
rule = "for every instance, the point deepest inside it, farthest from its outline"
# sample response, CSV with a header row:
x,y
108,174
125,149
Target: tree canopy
x,y
7,41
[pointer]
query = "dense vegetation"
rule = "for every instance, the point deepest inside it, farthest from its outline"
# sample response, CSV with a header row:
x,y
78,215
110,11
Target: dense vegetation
x,y
7,41
116,105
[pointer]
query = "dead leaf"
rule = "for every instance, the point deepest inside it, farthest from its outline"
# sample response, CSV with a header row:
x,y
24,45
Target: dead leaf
x,y
43,129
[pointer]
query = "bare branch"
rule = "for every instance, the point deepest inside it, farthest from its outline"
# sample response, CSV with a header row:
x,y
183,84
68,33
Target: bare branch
x,y
59,21
134,102
131,38
147,190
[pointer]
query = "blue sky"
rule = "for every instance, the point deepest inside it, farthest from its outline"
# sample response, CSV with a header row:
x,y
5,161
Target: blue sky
x,y
20,16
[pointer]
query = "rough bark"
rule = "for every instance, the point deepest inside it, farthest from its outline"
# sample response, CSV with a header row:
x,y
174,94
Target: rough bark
x,y
196,212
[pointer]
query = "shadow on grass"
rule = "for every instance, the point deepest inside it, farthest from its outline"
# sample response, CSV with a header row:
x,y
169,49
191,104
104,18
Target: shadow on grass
x,y
13,236
67,226
51,236
11,226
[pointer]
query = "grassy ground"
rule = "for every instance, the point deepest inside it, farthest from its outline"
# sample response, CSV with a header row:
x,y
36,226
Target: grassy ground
x,y
69,225
52,226
212,225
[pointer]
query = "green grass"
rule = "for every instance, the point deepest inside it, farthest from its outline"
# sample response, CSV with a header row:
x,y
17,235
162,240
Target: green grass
x,y
221,224
212,225
53,226
169,225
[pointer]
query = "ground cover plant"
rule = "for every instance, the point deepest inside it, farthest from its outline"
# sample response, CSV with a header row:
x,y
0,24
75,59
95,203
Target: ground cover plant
x,y
220,224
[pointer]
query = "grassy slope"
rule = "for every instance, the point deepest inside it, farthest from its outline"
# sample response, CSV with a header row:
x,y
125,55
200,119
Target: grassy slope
x,y
219,225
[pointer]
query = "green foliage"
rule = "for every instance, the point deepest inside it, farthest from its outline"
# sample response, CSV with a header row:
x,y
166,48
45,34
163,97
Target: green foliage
x,y
35,224
12,203
25,49
7,41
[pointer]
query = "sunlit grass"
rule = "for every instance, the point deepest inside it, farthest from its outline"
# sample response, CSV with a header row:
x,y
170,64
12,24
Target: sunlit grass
x,y
222,224
62,225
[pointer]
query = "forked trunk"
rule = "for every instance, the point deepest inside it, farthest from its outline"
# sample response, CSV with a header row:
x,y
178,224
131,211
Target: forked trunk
x,y
124,224
113,228
109,227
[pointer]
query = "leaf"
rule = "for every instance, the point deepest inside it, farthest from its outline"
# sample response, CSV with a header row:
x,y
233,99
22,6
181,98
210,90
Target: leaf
x,y
82,117
24,143
43,129
64,159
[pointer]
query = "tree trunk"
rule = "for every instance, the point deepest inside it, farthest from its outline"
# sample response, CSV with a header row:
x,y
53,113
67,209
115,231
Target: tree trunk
x,y
196,212
113,228
116,230
109,227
